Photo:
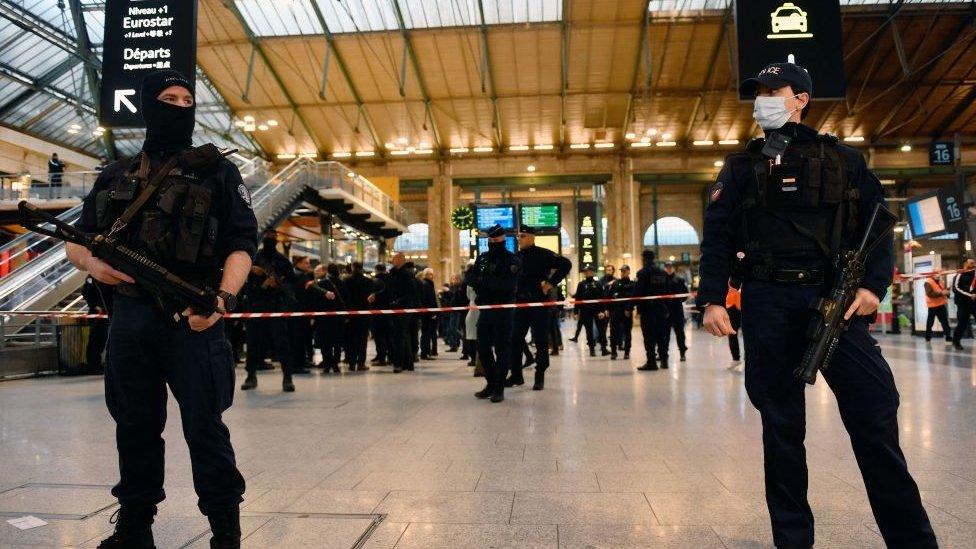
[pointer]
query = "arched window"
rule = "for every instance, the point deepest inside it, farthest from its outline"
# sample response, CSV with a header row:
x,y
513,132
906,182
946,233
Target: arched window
x,y
414,240
671,231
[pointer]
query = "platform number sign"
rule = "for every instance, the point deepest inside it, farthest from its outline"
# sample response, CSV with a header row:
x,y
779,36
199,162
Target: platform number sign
x,y
942,153
141,37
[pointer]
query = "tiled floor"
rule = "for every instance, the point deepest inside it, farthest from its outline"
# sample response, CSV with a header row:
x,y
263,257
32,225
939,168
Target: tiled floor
x,y
605,457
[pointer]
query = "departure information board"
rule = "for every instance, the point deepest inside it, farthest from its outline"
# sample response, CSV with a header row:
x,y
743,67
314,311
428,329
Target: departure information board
x,y
540,216
502,214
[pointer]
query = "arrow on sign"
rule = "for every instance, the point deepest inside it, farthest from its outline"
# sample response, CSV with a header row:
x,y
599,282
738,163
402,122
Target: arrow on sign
x,y
122,98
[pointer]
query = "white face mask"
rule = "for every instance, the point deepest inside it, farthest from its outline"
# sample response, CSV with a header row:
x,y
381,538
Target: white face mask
x,y
770,112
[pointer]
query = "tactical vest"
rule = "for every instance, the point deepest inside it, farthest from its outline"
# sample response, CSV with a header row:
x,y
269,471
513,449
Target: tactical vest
x,y
176,225
802,206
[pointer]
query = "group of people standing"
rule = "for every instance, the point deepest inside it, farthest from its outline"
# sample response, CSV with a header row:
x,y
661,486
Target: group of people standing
x,y
663,316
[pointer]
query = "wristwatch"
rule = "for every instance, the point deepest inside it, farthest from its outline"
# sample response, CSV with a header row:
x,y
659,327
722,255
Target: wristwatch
x,y
230,301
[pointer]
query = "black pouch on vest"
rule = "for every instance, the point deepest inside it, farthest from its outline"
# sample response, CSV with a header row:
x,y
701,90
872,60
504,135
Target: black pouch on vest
x,y
101,209
193,221
834,180
154,233
783,185
124,188
209,238
169,199
811,189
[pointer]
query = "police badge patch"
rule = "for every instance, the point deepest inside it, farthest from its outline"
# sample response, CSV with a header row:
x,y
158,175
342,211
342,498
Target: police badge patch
x,y
245,195
716,192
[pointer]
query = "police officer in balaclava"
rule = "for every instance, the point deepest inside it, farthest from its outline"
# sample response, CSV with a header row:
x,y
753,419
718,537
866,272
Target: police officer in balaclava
x,y
197,223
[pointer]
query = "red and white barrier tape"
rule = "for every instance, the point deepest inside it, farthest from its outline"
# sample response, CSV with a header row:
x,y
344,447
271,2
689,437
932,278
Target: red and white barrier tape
x,y
927,275
369,312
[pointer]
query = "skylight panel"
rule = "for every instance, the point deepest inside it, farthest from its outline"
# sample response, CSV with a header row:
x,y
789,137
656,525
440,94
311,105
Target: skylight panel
x,y
280,18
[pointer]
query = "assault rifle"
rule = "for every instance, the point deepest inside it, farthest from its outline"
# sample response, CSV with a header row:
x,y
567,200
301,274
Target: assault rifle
x,y
170,291
828,322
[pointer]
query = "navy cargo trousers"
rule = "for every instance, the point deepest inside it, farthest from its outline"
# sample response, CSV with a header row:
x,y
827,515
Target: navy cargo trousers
x,y
775,319
146,352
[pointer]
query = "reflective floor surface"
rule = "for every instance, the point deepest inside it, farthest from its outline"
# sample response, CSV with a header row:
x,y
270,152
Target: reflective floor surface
x,y
605,457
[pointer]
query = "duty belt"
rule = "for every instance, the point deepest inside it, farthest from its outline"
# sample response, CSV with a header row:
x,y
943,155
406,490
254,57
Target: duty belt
x,y
787,276
130,290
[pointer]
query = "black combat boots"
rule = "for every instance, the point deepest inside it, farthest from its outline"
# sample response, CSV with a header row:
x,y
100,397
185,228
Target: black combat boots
x,y
133,528
225,525
250,382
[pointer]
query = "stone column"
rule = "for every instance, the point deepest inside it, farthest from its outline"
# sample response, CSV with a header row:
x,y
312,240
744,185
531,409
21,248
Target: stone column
x,y
623,214
442,252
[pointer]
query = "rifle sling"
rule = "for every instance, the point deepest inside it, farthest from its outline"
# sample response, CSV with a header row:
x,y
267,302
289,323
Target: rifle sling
x,y
152,186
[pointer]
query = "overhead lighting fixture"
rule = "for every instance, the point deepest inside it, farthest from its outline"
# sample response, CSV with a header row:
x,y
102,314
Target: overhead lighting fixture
x,y
75,126
402,140
580,146
854,139
263,127
341,154
653,131
718,163
390,145
350,174
666,143
665,137
287,156
272,123
308,154
364,154
729,142
248,118
399,153
899,229
630,135
531,189
603,145
543,147
240,123
703,142
888,182
531,168
640,144
906,148
645,139
72,130
519,148
482,149
424,151
457,150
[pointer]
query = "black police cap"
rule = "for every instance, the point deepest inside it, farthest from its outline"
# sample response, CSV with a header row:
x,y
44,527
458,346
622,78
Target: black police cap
x,y
495,231
528,229
777,75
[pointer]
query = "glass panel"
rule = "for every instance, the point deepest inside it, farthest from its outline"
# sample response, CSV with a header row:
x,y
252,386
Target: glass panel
x,y
672,231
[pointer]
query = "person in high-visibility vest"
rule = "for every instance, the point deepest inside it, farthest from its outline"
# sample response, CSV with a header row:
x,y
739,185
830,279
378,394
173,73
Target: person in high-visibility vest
x,y
937,300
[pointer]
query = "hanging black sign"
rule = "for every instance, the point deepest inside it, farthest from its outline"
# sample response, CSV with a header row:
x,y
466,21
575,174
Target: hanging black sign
x,y
142,37
587,234
770,31
942,153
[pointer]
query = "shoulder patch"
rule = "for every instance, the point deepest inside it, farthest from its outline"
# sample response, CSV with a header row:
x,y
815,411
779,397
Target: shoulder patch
x,y
245,194
716,192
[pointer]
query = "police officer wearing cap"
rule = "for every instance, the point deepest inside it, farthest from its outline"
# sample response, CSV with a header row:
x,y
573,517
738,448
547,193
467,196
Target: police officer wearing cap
x,y
494,278
791,202
542,269
588,289
199,225
651,281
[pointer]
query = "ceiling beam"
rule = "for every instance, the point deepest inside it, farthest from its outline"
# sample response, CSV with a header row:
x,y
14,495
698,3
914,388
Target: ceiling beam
x,y
713,60
641,39
563,73
39,83
255,43
360,105
91,75
408,44
488,74
255,146
33,24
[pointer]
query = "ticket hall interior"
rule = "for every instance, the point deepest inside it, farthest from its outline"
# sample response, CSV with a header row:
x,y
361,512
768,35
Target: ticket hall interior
x,y
369,145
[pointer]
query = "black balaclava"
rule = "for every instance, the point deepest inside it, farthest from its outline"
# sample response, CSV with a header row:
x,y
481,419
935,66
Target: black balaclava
x,y
169,127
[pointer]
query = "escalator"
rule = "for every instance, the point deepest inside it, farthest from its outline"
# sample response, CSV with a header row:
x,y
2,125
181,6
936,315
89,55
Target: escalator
x,y
46,277
41,275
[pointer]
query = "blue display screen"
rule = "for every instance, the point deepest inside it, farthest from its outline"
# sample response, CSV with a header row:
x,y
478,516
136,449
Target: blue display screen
x,y
502,214
510,244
